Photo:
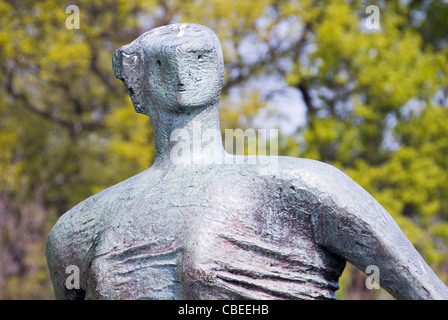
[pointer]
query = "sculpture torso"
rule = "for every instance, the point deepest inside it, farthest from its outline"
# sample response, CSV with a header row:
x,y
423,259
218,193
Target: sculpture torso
x,y
222,231
203,232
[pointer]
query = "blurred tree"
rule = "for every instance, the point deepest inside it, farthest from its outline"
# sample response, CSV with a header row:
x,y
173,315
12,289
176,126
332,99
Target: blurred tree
x,y
376,105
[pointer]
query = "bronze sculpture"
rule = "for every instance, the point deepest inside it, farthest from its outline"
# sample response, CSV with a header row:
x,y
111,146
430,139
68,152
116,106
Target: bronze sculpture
x,y
203,229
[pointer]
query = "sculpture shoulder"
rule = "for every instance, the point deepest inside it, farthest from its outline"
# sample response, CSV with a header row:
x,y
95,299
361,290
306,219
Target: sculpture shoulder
x,y
78,227
329,184
313,173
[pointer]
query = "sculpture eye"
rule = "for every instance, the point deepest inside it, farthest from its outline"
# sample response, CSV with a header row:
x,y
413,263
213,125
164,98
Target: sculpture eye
x,y
159,63
200,58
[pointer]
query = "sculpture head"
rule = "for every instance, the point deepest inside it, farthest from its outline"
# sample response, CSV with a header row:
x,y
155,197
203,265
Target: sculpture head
x,y
178,68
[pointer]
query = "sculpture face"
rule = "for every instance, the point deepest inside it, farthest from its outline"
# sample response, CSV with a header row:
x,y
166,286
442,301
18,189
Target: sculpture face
x,y
183,76
177,67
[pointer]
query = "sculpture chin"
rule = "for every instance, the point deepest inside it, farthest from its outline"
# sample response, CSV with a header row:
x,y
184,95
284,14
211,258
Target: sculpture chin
x,y
186,100
185,107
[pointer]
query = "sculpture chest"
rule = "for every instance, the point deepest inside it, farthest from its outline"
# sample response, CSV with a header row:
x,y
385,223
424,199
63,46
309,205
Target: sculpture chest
x,y
227,238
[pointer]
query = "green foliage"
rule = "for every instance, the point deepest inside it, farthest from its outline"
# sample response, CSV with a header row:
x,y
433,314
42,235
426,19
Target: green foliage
x,y
68,129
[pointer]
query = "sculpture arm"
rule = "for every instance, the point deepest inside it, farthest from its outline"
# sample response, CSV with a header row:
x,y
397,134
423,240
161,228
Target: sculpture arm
x,y
57,266
356,227
68,247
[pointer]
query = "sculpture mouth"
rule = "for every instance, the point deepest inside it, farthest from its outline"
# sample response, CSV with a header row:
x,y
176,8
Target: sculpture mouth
x,y
181,88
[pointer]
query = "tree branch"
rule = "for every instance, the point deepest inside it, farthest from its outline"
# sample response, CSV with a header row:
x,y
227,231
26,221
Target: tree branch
x,y
272,55
107,80
167,17
75,126
307,99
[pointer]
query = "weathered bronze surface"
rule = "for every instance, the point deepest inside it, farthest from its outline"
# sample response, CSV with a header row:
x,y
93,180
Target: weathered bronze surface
x,y
209,226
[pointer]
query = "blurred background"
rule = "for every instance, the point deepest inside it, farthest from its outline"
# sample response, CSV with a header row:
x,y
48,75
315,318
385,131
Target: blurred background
x,y
373,103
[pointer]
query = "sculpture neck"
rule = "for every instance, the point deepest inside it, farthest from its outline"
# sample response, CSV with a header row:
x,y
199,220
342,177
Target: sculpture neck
x,y
187,138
